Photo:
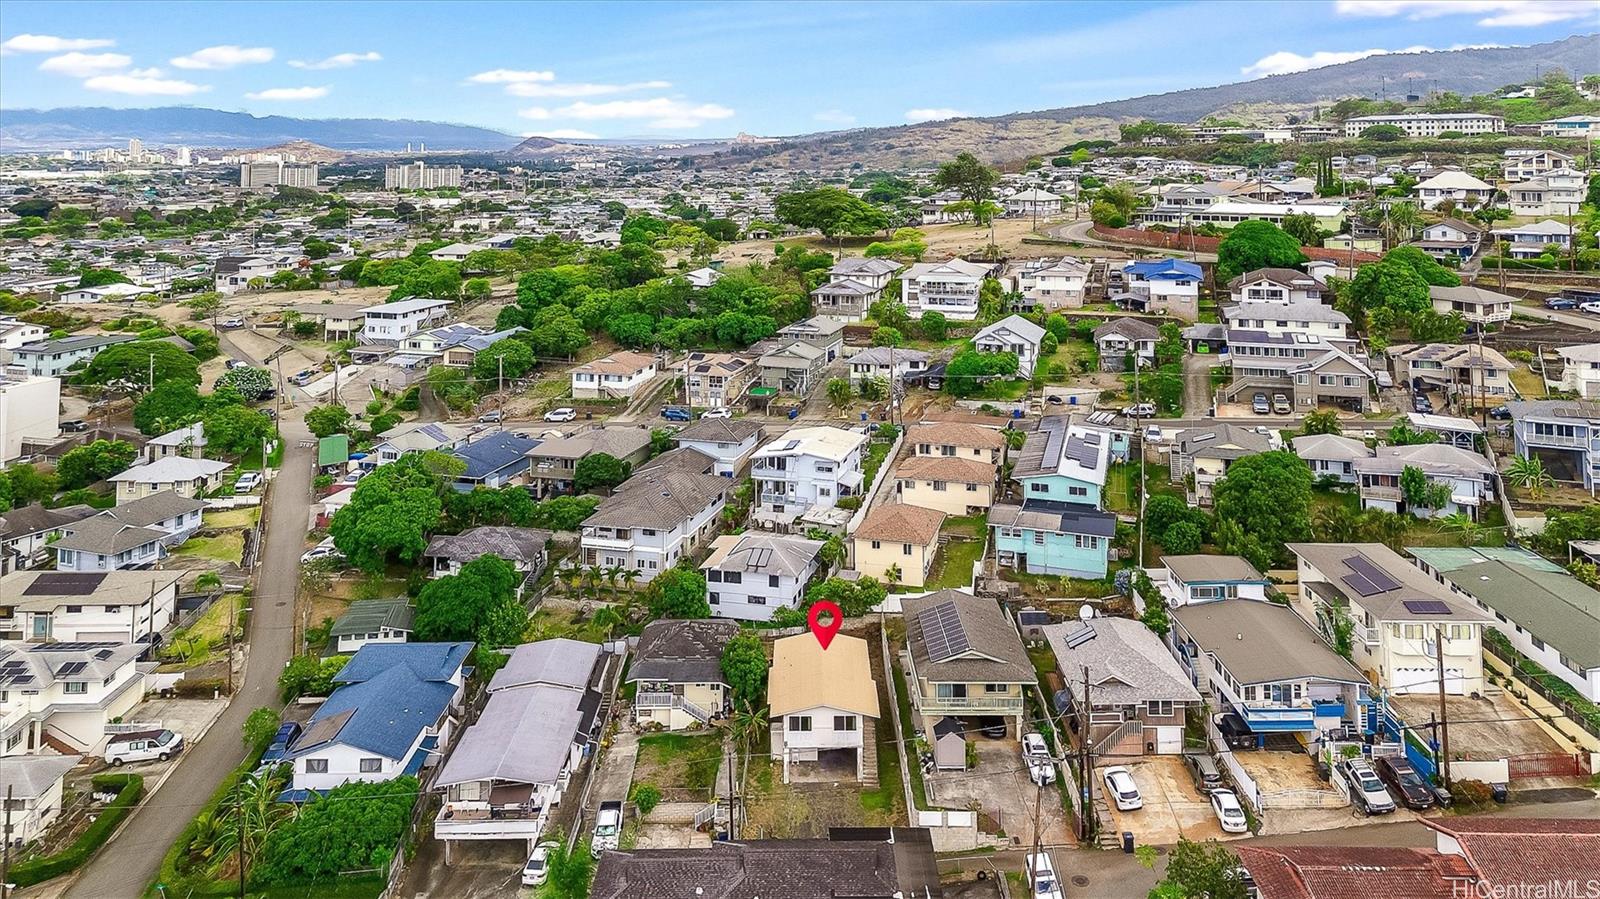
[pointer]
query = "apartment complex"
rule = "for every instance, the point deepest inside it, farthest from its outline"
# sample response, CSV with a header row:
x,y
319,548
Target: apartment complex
x,y
421,176
277,174
1429,124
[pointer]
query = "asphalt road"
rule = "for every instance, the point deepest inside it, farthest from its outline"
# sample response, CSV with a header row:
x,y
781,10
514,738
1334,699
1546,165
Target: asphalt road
x,y
131,860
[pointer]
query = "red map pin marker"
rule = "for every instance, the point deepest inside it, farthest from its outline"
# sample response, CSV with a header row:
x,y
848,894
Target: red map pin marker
x,y
824,632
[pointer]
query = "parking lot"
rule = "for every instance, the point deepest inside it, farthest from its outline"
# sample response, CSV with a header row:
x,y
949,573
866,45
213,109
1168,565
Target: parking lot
x,y
1173,807
999,788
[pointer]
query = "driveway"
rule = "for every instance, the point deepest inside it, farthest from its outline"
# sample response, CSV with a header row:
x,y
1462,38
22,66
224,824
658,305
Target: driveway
x,y
1173,808
129,862
1197,383
999,788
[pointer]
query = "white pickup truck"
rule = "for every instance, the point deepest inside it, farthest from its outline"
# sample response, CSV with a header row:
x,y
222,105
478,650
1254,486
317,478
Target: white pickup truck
x,y
607,828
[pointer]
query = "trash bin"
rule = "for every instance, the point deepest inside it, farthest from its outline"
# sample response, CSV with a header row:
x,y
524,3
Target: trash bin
x,y
1127,841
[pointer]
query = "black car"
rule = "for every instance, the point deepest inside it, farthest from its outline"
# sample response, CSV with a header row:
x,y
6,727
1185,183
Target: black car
x,y
1500,413
1237,734
279,747
993,727
1403,780
1560,303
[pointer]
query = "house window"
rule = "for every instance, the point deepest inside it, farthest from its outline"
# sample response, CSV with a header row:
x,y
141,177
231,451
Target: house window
x,y
1571,665
316,766
714,576
371,765
1038,488
800,723
113,609
713,598
905,549
1160,708
73,610
733,577
972,488
995,688
876,545
1038,538
1537,643
772,580
75,687
1077,491
940,486
844,722
1249,694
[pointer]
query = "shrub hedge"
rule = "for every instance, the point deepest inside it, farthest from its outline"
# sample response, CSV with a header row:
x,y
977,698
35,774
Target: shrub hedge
x,y
129,788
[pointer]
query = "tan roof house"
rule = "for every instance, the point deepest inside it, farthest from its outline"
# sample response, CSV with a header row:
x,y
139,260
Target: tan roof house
x,y
824,705
949,484
896,543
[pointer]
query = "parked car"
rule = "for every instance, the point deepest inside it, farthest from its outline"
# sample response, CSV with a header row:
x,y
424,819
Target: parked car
x,y
1281,405
237,363
1036,752
1366,790
1259,404
1055,399
1124,792
1152,434
1140,410
322,550
1235,732
565,413
1591,308
1046,885
281,741
1560,303
1421,403
143,746
303,377
538,866
1500,413
1203,768
1230,814
676,413
73,425
234,322
1403,780
607,828
247,482
992,726
719,412
491,417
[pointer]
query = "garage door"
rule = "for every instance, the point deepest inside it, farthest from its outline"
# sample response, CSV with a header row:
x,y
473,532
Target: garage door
x,y
102,637
1168,739
1426,680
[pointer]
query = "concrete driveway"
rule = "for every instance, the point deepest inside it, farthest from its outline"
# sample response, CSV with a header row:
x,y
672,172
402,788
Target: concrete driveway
x,y
1000,788
128,863
1173,808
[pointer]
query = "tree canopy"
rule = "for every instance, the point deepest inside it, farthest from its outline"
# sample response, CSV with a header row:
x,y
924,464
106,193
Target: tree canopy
x,y
678,593
1268,496
744,664
393,510
142,364
1255,244
832,211
478,603
969,177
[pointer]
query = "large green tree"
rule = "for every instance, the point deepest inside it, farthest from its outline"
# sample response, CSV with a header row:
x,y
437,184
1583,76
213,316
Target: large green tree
x,y
599,471
393,510
142,364
509,356
172,404
678,593
1268,495
83,465
744,665
355,827
235,430
970,370
479,603
1255,244
327,420
834,212
969,177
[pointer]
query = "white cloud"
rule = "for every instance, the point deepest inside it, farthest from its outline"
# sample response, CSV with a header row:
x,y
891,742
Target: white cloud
x,y
225,56
510,76
834,117
49,43
534,112
1496,13
562,134
142,86
580,89
83,65
662,112
337,61
151,72
1286,61
933,114
289,93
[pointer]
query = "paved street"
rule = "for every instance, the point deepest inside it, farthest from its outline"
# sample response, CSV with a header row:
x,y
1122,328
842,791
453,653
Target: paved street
x,y
131,860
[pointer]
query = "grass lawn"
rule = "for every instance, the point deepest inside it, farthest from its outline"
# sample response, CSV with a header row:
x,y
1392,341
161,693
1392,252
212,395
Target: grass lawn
x,y
952,567
550,622
1050,585
196,641
680,761
1008,391
243,517
965,525
1122,487
919,792
877,452
1527,382
222,548
1075,356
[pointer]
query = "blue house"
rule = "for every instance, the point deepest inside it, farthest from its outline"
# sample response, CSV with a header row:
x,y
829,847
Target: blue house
x,y
1162,287
494,461
1059,528
392,708
1565,434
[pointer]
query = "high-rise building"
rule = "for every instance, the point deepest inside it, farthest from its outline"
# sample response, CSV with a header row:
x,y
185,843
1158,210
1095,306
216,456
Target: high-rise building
x,y
183,156
275,174
421,176
135,149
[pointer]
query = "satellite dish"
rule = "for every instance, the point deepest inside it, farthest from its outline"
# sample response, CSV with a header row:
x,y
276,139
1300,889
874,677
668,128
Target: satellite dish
x,y
1085,612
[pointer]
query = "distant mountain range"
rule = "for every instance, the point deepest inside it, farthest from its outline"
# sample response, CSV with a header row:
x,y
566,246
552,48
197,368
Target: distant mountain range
x,y
1007,137
1023,134
89,127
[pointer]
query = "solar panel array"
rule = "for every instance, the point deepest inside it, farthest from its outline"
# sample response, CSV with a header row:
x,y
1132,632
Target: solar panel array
x,y
1360,584
758,558
67,647
62,584
1379,578
1080,636
942,632
70,668
15,673
1081,452
1426,607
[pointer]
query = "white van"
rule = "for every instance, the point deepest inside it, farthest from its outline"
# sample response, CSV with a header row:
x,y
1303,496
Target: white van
x,y
143,746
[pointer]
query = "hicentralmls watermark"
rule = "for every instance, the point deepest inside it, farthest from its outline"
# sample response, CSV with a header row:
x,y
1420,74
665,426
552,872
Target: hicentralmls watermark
x,y
1571,888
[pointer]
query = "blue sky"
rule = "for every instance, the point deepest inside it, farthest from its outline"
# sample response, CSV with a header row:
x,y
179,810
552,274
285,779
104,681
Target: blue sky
x,y
705,69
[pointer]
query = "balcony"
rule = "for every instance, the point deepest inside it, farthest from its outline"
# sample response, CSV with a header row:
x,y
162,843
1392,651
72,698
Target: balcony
x,y
653,701
1392,494
1580,441
593,539
485,821
1279,718
957,705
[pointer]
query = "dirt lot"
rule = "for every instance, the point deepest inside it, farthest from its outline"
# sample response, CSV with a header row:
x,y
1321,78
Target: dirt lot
x,y
943,242
1488,728
1000,789
1173,808
1277,771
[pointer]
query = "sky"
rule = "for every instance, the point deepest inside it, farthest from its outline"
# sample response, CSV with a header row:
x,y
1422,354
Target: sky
x,y
659,69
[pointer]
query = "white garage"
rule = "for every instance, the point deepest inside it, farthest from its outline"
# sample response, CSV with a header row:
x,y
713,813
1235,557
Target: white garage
x,y
1426,680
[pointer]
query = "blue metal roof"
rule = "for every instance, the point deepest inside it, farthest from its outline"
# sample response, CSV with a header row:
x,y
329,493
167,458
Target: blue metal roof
x,y
1164,270
493,453
427,661
387,712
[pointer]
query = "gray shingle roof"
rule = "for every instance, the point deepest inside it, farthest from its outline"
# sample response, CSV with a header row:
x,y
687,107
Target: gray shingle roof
x,y
514,544
661,498
366,616
156,507
106,536
682,652
1259,641
26,777
721,430
1204,569
560,662
1128,664
996,655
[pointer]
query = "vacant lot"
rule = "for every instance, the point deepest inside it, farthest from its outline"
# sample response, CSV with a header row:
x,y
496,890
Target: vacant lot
x,y
1488,728
679,763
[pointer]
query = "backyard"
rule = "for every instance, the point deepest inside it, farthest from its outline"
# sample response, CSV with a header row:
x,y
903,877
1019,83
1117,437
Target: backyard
x,y
682,763
952,566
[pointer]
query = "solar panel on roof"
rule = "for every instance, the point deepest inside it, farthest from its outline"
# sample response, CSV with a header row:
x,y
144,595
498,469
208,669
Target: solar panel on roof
x,y
1379,578
1079,637
1360,584
942,632
1033,617
758,559
1426,607
1092,438
71,668
61,584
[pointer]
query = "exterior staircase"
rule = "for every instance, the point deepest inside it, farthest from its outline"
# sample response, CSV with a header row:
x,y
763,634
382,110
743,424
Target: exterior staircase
x,y
869,753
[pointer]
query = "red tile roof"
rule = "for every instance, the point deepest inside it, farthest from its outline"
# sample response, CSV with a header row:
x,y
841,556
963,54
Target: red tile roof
x,y
1519,853
1342,872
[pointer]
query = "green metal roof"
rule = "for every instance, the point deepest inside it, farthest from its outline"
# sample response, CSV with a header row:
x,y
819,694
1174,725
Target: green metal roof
x,y
333,450
368,615
1449,558
1529,591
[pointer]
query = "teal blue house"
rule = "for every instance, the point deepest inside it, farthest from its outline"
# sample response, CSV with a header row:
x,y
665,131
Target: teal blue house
x,y
1058,528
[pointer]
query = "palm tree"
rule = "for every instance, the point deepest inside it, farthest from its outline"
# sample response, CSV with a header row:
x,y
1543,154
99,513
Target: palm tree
x,y
594,574
1336,524
892,574
1321,421
570,576
1528,473
832,552
630,576
1383,527
1464,526
612,574
250,814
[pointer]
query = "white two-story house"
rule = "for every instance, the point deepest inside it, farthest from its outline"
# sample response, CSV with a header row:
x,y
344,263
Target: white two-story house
x,y
822,703
1195,579
73,607
391,323
1475,304
654,519
728,441
1580,369
853,285
950,288
808,468
888,364
1469,477
612,377
1012,334
750,576
1398,615
65,693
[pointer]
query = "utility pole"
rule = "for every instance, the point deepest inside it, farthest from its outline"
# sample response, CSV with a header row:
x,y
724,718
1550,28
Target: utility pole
x,y
5,854
152,371
1038,848
1085,765
230,641
336,382
238,807
1444,712
733,814
501,386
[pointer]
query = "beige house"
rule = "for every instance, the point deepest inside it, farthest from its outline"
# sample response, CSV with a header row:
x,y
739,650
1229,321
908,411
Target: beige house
x,y
193,478
900,537
718,379
612,377
678,672
823,704
964,659
955,439
951,485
